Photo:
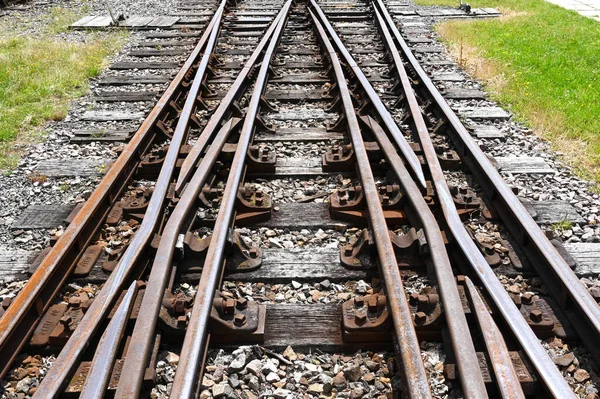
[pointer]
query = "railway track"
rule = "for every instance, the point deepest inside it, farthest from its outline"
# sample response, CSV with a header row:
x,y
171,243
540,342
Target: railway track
x,y
301,147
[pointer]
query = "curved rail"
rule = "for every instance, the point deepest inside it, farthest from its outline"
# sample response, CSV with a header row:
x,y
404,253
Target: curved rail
x,y
552,268
462,344
518,325
142,338
414,372
20,319
187,374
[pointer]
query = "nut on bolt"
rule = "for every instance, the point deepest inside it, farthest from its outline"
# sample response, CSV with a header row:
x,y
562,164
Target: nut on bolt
x,y
242,303
359,301
360,318
535,316
420,317
239,319
228,305
413,299
527,299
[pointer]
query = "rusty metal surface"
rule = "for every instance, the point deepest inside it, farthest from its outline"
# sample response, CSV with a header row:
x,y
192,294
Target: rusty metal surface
x,y
188,369
20,319
106,352
409,155
187,168
78,341
480,267
507,380
414,373
564,284
462,343
141,341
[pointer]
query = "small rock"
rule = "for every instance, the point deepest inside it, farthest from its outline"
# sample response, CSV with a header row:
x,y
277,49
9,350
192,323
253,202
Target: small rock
x,y
317,389
238,363
339,381
281,393
581,376
565,359
222,390
290,354
272,377
353,373
254,367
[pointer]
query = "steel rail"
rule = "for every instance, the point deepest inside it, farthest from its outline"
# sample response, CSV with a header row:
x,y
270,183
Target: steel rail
x,y
415,376
466,357
407,152
190,161
80,338
20,319
507,379
101,369
141,341
188,368
545,367
471,378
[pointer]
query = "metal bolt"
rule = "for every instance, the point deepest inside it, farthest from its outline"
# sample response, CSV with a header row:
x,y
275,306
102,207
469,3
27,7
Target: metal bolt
x,y
527,299
343,200
348,250
359,301
460,279
239,319
242,303
336,157
372,303
360,318
182,321
413,298
228,306
385,200
259,201
420,317
535,316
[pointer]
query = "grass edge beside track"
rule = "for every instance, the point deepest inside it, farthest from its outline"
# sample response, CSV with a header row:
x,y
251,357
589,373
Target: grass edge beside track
x,y
541,62
40,74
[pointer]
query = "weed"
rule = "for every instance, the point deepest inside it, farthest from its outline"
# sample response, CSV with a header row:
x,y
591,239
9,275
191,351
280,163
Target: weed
x,y
562,225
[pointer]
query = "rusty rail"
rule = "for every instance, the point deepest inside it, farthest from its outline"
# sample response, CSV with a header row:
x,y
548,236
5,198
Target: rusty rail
x,y
568,291
518,325
187,375
407,152
20,319
77,343
142,338
106,352
191,160
507,379
464,350
414,372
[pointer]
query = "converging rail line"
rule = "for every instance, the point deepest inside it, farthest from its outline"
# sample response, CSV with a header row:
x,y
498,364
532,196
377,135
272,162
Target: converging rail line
x,y
298,92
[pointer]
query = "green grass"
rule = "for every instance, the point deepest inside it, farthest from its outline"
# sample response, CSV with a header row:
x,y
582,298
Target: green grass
x,y
542,62
39,76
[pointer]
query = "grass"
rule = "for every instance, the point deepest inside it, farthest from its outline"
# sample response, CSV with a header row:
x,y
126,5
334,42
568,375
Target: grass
x,y
40,75
541,62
